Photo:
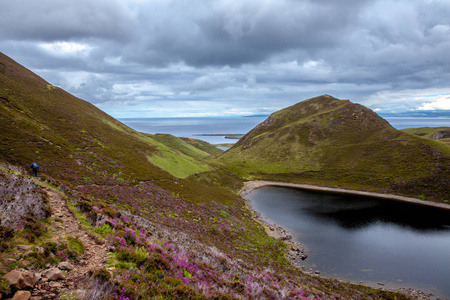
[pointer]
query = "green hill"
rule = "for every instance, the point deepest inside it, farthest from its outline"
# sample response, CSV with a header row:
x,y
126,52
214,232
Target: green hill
x,y
74,140
334,142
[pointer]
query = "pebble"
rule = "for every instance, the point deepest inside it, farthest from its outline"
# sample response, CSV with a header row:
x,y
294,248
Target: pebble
x,y
55,284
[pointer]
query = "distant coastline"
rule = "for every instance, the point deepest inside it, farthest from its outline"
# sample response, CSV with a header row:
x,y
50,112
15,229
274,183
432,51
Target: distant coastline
x,y
232,136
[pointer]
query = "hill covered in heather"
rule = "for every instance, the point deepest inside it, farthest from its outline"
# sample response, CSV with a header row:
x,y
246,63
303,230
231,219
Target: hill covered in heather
x,y
335,142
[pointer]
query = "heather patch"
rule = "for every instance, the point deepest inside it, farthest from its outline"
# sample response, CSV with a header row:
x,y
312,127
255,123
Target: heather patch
x,y
211,223
147,266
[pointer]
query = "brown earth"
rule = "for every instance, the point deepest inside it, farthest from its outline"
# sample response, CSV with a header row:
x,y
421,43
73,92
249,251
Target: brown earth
x,y
94,256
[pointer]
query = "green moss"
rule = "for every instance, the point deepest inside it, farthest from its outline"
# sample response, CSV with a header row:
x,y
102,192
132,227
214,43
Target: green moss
x,y
4,286
76,245
224,214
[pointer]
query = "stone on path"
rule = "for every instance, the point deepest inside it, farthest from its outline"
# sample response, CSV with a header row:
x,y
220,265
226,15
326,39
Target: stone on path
x,y
20,280
65,265
23,247
53,274
22,295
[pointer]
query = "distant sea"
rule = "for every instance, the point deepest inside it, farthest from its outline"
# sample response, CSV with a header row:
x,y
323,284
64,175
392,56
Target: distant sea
x,y
200,128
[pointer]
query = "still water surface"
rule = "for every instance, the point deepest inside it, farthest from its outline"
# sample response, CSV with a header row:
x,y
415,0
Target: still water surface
x,y
364,239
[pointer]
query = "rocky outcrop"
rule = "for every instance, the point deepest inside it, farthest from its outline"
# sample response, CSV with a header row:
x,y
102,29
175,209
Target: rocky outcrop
x,y
441,134
21,199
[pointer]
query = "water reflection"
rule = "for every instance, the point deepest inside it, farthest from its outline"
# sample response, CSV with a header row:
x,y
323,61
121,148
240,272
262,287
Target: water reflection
x,y
349,214
357,238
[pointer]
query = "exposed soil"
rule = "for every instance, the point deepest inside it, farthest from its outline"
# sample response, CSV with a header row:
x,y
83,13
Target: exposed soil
x,y
94,256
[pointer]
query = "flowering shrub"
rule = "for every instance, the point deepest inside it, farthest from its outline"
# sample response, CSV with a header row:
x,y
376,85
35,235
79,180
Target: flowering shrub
x,y
148,266
206,222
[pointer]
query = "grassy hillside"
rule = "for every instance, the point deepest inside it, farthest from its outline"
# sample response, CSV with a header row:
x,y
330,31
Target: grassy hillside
x,y
73,139
334,142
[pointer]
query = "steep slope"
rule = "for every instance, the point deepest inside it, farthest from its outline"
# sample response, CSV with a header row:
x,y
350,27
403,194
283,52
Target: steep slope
x,y
335,142
73,139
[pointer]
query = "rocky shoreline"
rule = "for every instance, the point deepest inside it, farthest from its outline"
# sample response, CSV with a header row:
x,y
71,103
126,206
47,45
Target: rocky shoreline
x,y
296,252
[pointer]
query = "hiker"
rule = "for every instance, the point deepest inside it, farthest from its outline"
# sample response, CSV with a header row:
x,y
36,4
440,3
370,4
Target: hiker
x,y
34,167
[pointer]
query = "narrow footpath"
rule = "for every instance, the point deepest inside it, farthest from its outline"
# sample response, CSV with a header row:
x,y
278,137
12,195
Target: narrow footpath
x,y
94,256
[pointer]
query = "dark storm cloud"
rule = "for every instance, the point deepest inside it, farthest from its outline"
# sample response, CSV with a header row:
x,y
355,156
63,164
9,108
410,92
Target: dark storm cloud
x,y
49,20
118,53
234,32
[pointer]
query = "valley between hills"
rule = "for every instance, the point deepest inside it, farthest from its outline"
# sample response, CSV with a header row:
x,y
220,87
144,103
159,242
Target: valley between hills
x,y
119,214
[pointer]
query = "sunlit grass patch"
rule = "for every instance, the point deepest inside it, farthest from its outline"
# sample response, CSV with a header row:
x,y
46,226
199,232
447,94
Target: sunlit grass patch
x,y
178,165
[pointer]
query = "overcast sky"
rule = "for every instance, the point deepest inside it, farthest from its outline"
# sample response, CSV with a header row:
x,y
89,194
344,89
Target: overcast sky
x,y
172,58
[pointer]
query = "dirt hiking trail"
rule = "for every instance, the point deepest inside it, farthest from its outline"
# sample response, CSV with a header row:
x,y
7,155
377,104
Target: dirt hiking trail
x,y
94,256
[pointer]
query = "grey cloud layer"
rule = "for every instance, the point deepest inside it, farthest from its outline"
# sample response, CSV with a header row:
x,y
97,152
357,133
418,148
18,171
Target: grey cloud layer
x,y
191,50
